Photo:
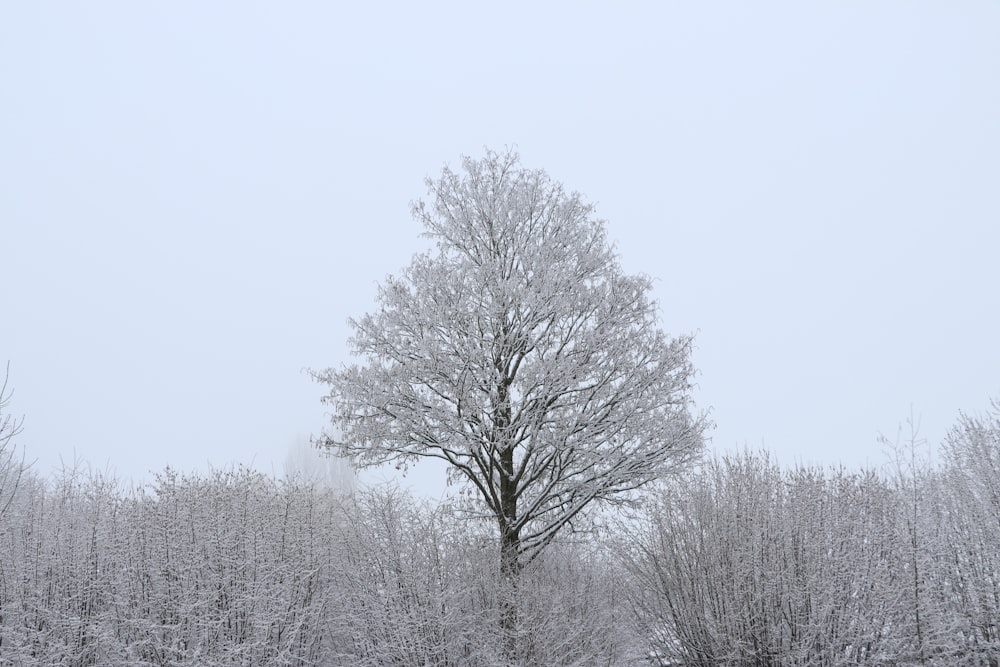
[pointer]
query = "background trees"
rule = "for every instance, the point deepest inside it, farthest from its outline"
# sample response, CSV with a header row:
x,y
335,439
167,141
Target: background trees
x,y
747,564
237,568
521,354
743,563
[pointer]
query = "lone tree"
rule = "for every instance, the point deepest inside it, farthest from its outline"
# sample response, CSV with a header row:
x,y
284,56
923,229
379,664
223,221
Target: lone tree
x,y
521,354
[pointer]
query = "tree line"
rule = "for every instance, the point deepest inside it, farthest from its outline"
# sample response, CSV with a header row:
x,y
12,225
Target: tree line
x,y
238,568
739,562
743,562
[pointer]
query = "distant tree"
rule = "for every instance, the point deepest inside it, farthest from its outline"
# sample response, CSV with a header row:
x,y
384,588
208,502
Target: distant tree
x,y
972,450
520,353
913,476
306,463
972,527
11,465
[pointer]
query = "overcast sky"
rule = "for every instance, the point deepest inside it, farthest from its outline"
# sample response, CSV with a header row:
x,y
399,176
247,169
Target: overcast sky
x,y
195,196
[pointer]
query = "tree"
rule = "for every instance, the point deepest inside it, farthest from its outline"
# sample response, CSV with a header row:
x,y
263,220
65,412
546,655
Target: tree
x,y
748,564
307,464
520,353
972,527
972,449
11,466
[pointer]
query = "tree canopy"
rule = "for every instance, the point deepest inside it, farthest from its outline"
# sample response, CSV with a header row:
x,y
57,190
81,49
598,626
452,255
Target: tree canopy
x,y
519,352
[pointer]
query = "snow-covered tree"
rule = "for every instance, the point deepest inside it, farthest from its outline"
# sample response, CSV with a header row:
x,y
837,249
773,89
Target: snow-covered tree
x,y
971,534
11,465
746,564
520,353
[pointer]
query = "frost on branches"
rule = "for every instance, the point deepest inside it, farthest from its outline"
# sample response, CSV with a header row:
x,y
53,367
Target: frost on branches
x,y
520,353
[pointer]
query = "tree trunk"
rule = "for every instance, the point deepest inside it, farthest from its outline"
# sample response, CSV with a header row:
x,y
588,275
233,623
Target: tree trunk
x,y
510,574
510,540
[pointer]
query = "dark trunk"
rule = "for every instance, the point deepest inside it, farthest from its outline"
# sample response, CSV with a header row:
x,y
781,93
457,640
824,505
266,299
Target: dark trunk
x,y
510,536
510,573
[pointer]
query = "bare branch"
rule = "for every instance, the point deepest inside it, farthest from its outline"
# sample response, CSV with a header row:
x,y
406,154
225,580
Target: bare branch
x,y
11,465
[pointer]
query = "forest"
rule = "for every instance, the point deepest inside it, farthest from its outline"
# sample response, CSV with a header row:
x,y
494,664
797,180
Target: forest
x,y
738,561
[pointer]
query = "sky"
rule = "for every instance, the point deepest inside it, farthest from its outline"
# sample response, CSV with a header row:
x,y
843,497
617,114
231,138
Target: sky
x,y
196,196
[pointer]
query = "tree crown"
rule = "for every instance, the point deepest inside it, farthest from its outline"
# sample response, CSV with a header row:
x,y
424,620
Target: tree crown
x,y
520,353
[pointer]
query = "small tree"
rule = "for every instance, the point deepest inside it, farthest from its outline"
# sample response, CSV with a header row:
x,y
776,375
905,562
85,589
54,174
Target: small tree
x,y
520,353
911,465
972,479
11,466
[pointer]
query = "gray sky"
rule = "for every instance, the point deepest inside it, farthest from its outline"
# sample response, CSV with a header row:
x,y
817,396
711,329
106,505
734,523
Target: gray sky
x,y
195,196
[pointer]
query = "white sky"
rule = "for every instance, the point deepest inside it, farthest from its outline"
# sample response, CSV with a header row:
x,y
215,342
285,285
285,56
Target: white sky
x,y
195,196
